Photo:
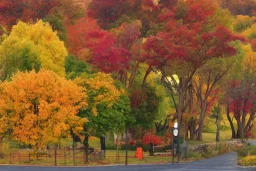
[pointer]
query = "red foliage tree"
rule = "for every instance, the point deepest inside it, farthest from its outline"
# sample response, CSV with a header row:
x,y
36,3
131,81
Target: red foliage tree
x,y
106,55
31,10
77,34
240,7
25,10
241,97
137,98
107,11
187,43
150,138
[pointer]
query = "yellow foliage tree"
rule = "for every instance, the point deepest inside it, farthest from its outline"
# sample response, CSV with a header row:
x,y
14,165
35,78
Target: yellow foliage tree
x,y
100,88
40,108
30,45
249,62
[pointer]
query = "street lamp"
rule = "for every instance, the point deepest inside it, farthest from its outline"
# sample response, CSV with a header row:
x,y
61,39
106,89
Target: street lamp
x,y
175,130
175,133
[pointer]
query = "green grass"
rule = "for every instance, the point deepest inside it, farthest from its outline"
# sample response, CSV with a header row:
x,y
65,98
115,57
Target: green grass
x,y
210,137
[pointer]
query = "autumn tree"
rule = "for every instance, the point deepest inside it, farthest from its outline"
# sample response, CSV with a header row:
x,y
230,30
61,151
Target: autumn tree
x,y
75,67
32,46
239,7
107,12
77,37
240,94
109,108
183,47
112,14
30,10
206,85
58,13
241,104
40,108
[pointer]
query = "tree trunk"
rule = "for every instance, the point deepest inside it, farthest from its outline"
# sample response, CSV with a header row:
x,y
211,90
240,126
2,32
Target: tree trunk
x,y
103,146
146,75
239,129
192,128
231,123
249,122
186,132
151,151
201,123
86,146
180,107
218,129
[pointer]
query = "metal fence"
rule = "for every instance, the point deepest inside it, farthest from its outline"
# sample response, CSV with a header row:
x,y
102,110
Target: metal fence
x,y
76,157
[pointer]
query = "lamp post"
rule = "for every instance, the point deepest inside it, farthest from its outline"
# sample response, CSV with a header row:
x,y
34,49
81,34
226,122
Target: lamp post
x,y
175,133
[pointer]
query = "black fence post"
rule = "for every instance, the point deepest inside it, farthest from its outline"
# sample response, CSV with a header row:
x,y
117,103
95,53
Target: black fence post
x,y
55,156
10,156
126,147
65,157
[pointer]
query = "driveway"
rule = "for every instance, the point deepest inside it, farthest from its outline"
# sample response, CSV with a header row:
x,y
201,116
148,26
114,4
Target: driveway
x,y
225,162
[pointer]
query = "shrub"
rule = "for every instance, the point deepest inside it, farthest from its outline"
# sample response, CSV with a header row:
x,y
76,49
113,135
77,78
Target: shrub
x,y
248,161
223,148
194,155
209,153
241,152
224,128
252,150
208,130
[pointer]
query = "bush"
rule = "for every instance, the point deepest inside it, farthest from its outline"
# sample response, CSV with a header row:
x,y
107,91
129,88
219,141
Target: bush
x,y
208,130
110,147
252,150
248,161
224,128
194,155
209,153
241,152
223,148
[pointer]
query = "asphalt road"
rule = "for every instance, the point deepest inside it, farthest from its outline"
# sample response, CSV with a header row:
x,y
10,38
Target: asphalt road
x,y
225,162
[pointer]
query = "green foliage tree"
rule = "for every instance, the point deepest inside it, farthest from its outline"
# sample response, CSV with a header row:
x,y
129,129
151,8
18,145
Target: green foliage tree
x,y
75,68
144,104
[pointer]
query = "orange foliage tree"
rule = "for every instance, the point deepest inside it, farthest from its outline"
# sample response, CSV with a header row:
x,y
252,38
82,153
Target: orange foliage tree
x,y
40,108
